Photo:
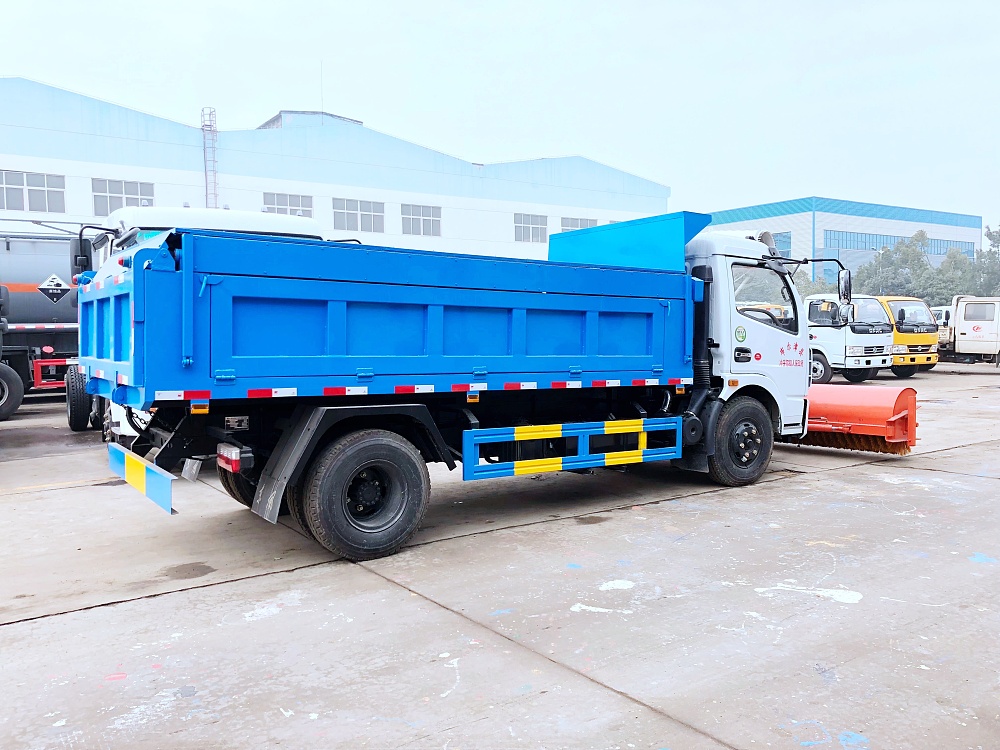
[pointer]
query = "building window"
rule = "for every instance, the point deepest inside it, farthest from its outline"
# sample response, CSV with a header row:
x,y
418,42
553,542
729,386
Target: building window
x,y
367,216
286,203
424,220
867,241
571,224
30,191
783,244
110,195
531,228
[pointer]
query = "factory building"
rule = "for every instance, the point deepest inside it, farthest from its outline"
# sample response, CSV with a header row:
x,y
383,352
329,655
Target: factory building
x,y
850,231
69,159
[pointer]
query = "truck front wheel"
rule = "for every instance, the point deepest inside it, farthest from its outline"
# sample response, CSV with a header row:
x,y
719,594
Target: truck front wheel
x,y
904,371
857,376
365,494
820,372
11,391
743,442
78,401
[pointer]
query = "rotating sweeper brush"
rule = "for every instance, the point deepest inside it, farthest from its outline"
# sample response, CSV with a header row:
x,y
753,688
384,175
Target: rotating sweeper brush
x,y
862,418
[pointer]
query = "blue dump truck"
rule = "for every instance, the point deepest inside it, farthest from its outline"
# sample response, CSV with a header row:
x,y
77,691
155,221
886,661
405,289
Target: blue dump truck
x,y
323,376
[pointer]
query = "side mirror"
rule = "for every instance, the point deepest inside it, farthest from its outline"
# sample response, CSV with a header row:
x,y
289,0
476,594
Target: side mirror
x,y
947,317
901,315
847,313
844,286
80,255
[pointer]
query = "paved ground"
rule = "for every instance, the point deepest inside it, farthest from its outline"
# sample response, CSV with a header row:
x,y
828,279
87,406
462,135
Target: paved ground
x,y
850,601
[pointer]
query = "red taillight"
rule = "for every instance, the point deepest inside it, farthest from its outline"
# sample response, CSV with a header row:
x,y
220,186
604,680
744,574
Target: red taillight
x,y
228,457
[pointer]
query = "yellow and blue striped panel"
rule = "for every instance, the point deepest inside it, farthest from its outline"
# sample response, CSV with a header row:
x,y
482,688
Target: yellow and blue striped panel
x,y
150,480
583,459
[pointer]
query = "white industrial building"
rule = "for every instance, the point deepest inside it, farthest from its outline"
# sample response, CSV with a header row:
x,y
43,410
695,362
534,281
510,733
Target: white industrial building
x,y
70,158
850,231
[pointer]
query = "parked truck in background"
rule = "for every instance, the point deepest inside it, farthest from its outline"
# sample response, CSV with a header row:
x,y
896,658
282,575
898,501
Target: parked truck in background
x,y
915,341
854,340
38,326
322,377
969,329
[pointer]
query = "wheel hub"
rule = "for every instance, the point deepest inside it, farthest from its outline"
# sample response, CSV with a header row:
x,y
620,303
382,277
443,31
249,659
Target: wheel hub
x,y
745,443
366,493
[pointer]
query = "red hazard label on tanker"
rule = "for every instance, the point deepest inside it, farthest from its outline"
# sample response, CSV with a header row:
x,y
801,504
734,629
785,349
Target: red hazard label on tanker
x,y
792,351
54,288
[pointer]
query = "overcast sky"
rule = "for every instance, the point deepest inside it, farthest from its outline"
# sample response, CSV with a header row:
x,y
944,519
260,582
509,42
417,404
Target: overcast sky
x,y
728,103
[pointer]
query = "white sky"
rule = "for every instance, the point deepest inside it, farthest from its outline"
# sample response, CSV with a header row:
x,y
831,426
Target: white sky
x,y
728,103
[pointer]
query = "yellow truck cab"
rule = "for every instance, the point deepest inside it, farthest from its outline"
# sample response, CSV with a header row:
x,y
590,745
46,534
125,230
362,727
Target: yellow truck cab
x,y
915,335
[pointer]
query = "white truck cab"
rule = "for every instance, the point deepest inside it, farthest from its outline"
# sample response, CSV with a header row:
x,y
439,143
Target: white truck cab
x,y
855,340
757,329
969,328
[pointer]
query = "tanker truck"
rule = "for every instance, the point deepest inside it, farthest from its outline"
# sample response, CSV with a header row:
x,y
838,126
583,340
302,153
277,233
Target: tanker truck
x,y
38,317
321,377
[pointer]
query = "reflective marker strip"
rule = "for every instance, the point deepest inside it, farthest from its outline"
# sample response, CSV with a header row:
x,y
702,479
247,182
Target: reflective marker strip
x,y
567,384
81,369
414,389
122,379
538,431
150,480
606,383
520,386
647,381
350,390
182,395
99,374
118,280
272,392
468,387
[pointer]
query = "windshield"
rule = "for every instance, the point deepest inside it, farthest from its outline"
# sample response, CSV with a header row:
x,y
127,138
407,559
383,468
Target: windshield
x,y
915,312
870,311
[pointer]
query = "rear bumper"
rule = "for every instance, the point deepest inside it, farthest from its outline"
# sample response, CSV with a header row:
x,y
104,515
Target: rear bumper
x,y
915,359
150,480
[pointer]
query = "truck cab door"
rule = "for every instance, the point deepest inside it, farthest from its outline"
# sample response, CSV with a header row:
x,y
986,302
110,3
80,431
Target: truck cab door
x,y
825,332
977,329
769,335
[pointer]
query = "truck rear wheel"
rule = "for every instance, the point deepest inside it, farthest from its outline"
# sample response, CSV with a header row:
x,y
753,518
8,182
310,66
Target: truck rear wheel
x,y
743,442
78,401
11,391
241,489
820,372
904,371
365,494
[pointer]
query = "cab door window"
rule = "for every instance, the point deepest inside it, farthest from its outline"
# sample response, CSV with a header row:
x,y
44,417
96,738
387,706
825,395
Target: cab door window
x,y
764,296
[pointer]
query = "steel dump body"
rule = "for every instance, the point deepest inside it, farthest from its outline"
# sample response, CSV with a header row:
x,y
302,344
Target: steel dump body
x,y
217,315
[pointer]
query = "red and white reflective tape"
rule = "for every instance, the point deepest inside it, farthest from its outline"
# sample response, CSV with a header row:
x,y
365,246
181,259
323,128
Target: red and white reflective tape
x,y
606,383
41,326
99,374
122,379
520,386
567,384
680,381
349,390
414,389
182,395
81,369
464,387
272,392
86,287
646,381
118,279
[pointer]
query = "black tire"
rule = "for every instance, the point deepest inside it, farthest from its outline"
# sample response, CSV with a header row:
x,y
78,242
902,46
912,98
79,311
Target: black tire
x,y
856,376
296,507
904,371
11,392
365,494
78,401
744,438
820,371
927,368
872,373
241,489
98,411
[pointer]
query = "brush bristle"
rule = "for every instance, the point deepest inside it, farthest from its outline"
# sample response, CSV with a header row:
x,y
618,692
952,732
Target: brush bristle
x,y
868,443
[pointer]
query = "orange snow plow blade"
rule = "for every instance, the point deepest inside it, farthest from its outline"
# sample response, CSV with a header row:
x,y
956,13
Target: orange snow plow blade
x,y
862,418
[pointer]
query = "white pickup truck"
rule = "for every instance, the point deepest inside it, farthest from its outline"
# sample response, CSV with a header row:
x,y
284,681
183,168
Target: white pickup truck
x,y
854,340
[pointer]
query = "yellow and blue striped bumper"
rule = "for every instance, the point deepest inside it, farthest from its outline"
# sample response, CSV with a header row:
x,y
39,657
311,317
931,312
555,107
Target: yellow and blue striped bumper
x,y
150,480
473,466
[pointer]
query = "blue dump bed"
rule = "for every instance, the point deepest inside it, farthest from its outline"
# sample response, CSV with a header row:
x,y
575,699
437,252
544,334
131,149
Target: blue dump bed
x,y
217,315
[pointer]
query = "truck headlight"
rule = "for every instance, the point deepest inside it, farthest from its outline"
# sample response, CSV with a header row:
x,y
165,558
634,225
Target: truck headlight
x,y
933,348
899,348
855,351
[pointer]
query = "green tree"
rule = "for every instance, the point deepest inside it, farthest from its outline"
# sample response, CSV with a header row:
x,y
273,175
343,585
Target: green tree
x,y
902,270
988,266
957,274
